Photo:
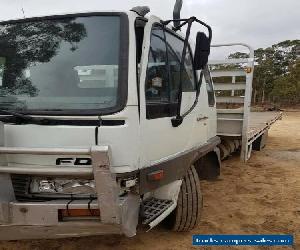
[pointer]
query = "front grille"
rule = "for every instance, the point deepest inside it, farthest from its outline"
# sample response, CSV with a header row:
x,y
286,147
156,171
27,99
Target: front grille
x,y
21,186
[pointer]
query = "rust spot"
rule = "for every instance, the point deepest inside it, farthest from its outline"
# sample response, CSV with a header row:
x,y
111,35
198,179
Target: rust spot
x,y
23,210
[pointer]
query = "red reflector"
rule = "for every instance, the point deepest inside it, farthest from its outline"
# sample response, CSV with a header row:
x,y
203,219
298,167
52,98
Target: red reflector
x,y
78,212
156,176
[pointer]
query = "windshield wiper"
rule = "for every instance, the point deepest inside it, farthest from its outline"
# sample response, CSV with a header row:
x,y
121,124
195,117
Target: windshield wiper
x,y
19,118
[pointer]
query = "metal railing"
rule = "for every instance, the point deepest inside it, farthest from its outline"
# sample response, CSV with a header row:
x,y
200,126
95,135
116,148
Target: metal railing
x,y
235,122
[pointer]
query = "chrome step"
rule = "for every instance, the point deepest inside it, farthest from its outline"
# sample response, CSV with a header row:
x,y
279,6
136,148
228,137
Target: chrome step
x,y
153,208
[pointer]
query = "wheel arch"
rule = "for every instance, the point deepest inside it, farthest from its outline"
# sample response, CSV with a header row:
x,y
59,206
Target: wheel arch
x,y
208,166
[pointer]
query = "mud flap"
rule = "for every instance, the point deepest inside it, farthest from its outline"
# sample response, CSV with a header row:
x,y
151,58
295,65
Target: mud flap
x,y
130,207
260,142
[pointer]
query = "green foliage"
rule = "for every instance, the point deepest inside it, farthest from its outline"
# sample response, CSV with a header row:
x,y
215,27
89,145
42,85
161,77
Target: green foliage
x,y
287,87
276,74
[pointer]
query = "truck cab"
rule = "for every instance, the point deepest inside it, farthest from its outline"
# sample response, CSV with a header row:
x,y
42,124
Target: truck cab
x,y
107,122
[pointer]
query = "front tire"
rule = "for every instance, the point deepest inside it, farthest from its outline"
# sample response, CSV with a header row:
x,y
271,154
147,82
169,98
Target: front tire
x,y
187,214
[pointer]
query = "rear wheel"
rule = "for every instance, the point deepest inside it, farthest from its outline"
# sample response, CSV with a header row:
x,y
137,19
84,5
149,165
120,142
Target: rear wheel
x,y
189,205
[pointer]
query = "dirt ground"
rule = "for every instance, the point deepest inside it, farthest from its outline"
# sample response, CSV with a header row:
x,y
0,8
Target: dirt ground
x,y
260,197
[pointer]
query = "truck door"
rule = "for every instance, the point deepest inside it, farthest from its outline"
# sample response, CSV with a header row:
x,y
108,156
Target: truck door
x,y
159,84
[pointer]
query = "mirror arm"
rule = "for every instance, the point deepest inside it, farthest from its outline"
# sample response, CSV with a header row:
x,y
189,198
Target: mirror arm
x,y
179,120
185,21
176,121
197,96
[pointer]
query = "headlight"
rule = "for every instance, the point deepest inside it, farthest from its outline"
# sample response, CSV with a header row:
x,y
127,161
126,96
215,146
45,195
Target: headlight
x,y
62,186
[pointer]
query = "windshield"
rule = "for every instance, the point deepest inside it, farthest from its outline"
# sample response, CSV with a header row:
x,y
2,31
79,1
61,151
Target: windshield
x,y
67,65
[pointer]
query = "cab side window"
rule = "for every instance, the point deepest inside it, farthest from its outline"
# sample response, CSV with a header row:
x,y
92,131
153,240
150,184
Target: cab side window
x,y
175,49
157,82
209,87
157,74
163,74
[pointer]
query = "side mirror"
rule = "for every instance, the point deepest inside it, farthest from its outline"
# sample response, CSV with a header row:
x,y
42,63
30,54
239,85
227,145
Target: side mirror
x,y
202,51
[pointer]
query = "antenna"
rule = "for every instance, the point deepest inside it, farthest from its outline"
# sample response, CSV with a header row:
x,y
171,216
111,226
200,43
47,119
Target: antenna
x,y
176,12
22,9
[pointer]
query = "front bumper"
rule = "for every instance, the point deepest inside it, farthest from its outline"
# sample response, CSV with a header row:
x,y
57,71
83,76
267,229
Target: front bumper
x,y
40,220
69,229
33,220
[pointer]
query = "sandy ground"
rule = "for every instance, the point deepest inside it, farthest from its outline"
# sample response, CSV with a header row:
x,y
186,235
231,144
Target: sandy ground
x,y
260,197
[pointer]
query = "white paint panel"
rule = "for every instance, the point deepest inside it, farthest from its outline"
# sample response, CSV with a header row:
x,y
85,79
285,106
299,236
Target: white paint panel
x,y
124,154
230,86
200,125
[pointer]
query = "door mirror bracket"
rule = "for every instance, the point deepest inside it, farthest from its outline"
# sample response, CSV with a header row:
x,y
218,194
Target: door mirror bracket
x,y
177,121
200,59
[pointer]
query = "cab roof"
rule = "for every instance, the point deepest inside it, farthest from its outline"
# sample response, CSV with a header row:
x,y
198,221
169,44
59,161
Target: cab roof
x,y
23,15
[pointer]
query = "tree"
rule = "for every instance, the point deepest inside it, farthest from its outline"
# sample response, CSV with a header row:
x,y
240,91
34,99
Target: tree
x,y
273,66
287,87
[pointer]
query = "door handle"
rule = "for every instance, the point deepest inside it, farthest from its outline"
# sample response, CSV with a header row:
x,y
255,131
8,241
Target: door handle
x,y
202,118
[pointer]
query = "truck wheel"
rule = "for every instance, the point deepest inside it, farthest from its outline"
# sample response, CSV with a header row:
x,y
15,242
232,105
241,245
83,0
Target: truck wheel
x,y
189,205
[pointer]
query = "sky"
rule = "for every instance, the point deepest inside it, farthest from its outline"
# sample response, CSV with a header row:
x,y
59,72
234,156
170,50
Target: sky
x,y
259,23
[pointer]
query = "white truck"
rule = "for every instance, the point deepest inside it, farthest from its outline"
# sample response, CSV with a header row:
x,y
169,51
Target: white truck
x,y
109,121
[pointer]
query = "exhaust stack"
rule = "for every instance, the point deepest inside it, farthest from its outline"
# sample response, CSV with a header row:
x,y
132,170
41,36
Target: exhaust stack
x,y
176,12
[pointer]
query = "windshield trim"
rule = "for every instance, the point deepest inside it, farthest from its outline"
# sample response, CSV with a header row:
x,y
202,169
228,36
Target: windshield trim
x,y
122,92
